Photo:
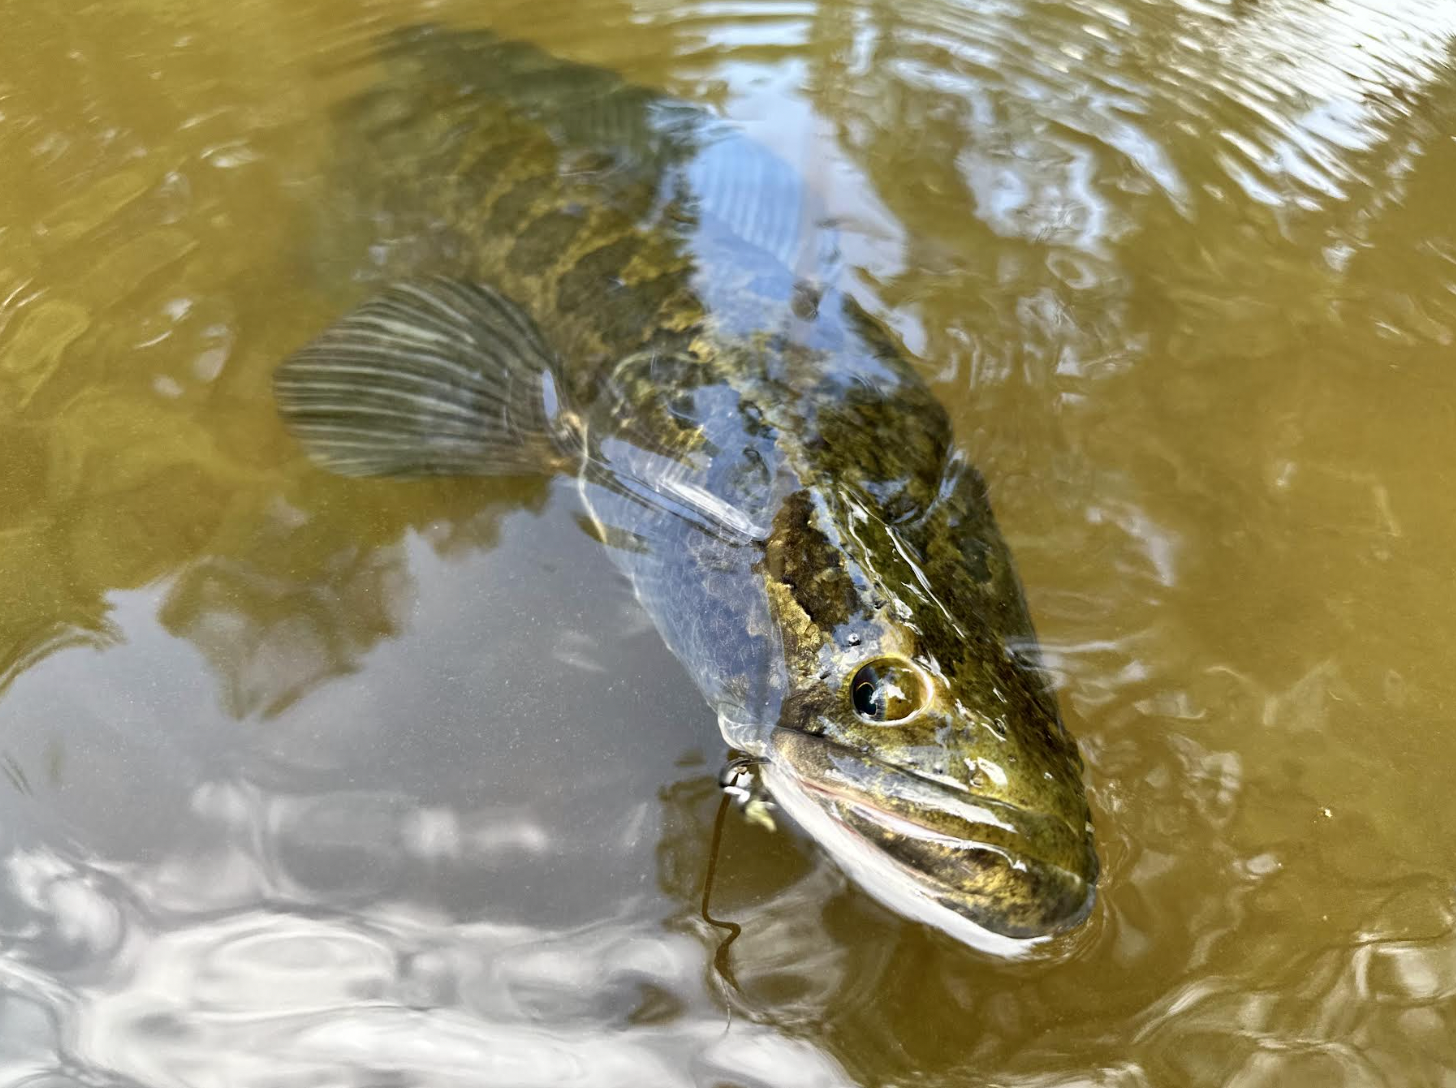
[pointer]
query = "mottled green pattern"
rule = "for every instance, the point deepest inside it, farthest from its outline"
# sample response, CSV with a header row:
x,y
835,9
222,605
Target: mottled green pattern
x,y
564,223
765,465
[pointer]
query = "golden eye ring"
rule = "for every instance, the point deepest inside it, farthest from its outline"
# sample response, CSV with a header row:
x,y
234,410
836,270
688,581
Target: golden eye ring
x,y
887,690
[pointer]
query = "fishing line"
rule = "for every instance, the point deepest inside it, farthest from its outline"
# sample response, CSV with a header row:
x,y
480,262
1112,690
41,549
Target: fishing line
x,y
733,929
730,782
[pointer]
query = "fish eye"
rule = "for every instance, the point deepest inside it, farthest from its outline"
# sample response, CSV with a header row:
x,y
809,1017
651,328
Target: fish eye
x,y
886,691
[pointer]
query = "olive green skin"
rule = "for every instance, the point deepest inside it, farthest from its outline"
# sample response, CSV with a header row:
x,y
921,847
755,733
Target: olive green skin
x,y
840,528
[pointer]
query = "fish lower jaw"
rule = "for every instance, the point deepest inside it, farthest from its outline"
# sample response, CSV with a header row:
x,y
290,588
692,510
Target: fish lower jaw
x,y
895,885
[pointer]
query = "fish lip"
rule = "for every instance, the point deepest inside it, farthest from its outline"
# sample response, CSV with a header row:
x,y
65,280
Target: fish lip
x,y
1017,894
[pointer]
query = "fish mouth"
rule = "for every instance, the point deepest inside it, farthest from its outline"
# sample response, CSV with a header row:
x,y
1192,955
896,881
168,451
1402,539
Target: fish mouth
x,y
931,850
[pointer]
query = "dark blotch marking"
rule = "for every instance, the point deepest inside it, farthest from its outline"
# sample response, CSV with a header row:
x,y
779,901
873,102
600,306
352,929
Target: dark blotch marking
x,y
633,311
595,273
892,442
485,160
804,303
800,556
543,241
514,205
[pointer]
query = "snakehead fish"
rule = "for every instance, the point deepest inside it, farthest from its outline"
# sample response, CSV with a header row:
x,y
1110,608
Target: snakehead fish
x,y
625,289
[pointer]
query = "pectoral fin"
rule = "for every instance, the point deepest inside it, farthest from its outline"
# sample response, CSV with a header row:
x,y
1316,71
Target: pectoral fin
x,y
431,377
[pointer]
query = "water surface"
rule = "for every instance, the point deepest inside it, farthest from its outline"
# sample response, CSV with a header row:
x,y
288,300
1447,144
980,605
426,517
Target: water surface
x,y
309,781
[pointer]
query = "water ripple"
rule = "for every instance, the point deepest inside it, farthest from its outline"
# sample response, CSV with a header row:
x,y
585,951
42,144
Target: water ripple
x,y
274,998
1182,273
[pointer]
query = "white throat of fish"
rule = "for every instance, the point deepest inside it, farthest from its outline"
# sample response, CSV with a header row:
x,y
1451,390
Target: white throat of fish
x,y
897,886
891,883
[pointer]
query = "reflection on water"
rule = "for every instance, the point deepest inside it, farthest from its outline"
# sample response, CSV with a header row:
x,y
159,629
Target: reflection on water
x,y
376,783
392,995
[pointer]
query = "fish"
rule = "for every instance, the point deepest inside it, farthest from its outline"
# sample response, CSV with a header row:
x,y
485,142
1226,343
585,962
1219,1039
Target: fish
x,y
627,291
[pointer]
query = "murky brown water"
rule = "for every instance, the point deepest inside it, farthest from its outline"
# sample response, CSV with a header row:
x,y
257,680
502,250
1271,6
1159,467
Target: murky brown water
x,y
316,782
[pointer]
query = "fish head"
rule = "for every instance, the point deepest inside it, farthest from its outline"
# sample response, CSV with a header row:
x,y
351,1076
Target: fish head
x,y
918,740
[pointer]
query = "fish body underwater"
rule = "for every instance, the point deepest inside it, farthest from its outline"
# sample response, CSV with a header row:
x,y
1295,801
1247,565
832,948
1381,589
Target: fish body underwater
x,y
630,292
